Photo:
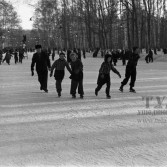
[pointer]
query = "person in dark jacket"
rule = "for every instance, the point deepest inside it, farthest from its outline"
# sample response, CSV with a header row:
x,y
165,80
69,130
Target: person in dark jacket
x,y
68,55
150,56
1,56
104,75
79,54
76,76
7,57
59,66
114,57
16,56
42,62
53,54
123,57
131,70
84,53
21,55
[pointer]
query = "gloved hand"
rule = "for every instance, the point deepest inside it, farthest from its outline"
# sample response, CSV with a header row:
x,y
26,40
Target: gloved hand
x,y
32,73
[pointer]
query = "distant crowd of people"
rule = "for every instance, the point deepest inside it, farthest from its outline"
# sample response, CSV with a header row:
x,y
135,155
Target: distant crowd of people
x,y
18,54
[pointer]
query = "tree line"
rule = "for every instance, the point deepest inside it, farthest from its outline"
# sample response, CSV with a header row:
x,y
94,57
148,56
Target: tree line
x,y
9,24
102,23
107,24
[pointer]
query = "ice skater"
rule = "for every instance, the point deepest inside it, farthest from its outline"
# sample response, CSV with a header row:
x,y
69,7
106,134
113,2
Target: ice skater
x,y
41,59
59,66
104,75
77,76
131,70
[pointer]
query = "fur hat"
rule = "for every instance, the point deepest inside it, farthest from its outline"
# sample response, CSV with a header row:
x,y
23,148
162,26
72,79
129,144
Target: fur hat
x,y
38,46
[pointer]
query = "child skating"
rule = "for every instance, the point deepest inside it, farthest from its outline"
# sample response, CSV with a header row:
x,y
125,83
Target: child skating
x,y
104,75
77,76
59,66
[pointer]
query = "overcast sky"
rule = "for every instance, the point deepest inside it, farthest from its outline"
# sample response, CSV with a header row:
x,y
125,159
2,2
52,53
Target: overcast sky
x,y
24,11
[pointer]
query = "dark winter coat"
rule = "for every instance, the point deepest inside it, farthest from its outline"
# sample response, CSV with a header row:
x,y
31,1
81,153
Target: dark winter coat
x,y
42,62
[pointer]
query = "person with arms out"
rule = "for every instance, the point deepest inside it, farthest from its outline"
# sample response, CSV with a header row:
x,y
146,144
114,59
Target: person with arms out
x,y
59,66
104,75
131,70
7,57
42,62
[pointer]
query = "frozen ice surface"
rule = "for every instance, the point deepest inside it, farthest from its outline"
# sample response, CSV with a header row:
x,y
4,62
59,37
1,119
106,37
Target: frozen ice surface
x,y
39,129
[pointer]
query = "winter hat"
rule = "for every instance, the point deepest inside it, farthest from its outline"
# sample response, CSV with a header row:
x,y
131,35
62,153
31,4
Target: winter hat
x,y
38,46
107,56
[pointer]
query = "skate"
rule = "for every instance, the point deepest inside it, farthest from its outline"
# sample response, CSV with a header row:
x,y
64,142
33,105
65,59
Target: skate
x,y
96,92
59,94
108,96
81,96
73,96
121,89
132,90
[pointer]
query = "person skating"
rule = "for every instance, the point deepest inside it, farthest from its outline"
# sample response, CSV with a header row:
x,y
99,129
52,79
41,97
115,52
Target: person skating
x,y
150,56
7,57
21,55
131,70
42,62
76,76
16,56
104,75
1,56
59,66
114,57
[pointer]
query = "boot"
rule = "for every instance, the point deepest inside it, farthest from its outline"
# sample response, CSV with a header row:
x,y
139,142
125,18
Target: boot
x,y
81,96
73,96
96,92
121,88
132,90
59,94
108,96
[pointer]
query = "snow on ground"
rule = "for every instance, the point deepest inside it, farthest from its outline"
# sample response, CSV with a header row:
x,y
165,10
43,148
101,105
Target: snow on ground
x,y
39,129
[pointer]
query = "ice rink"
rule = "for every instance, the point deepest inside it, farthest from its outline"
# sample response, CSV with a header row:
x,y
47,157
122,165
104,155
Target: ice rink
x,y
39,129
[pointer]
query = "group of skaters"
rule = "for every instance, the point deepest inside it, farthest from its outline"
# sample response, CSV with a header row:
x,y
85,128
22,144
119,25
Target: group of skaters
x,y
18,54
74,65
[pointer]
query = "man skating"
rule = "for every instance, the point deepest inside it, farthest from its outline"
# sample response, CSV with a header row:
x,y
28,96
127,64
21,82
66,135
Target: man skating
x,y
42,62
131,70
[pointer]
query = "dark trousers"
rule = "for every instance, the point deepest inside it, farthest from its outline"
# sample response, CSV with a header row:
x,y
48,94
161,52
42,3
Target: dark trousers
x,y
75,85
123,61
115,62
7,60
43,79
130,73
20,59
16,60
151,59
102,81
58,86
147,59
